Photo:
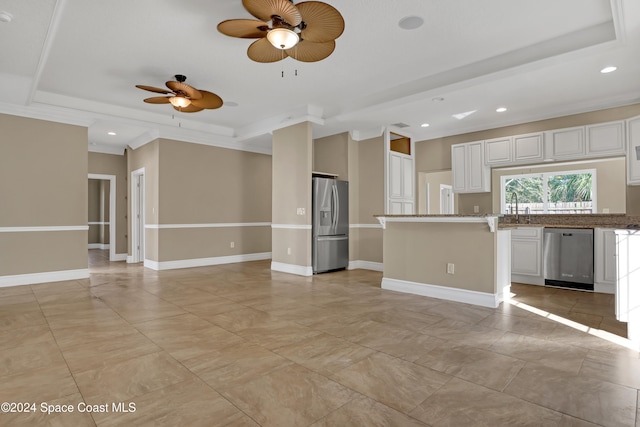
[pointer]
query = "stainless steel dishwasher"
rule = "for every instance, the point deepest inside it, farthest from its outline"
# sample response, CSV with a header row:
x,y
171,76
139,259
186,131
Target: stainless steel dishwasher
x,y
568,258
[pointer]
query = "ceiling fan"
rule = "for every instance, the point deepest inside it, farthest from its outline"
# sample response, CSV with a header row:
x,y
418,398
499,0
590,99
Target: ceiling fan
x,y
305,31
183,97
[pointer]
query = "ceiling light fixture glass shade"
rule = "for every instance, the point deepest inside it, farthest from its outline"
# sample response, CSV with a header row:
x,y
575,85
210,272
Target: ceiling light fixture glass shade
x,y
180,101
283,38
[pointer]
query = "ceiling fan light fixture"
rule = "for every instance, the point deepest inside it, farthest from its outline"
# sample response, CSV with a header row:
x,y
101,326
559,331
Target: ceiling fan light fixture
x,y
179,101
283,38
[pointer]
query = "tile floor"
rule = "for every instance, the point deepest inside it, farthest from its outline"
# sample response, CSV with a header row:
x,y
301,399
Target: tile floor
x,y
239,345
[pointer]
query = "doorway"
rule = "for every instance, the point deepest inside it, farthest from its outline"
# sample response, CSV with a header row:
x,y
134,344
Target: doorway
x,y
446,199
106,218
137,216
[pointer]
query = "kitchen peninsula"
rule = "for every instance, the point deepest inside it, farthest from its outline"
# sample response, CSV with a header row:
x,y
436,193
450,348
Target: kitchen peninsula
x,y
463,258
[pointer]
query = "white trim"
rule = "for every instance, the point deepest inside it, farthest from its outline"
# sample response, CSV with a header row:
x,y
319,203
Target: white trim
x,y
120,257
112,209
99,223
491,220
299,270
365,265
102,246
203,262
46,277
214,225
291,226
44,228
441,292
604,288
137,209
130,259
378,226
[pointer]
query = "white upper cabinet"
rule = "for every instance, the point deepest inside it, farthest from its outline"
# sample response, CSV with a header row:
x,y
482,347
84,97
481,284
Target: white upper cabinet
x,y
633,151
566,143
528,148
470,173
400,175
605,139
498,150
512,150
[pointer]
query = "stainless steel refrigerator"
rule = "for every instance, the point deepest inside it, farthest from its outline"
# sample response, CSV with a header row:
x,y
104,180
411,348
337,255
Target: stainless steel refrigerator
x,y
330,224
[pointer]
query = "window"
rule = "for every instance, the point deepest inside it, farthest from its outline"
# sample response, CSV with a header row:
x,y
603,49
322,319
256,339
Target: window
x,y
571,192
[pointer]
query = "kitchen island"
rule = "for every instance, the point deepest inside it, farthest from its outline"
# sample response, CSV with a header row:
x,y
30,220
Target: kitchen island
x,y
463,258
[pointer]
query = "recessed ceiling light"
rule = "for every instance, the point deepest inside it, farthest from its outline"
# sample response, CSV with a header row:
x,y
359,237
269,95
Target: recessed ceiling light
x,y
501,110
5,16
424,125
410,22
437,99
608,70
111,133
230,104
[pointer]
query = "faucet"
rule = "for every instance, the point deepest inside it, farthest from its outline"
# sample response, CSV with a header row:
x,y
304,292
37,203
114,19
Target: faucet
x,y
527,211
514,194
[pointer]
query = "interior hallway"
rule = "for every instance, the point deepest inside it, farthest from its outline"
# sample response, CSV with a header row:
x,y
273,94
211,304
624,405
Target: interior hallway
x,y
240,345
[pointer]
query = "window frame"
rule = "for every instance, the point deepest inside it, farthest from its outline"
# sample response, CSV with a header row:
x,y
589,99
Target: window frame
x,y
545,189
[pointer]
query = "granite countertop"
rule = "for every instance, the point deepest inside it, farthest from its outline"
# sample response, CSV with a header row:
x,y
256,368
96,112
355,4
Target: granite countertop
x,y
618,220
572,221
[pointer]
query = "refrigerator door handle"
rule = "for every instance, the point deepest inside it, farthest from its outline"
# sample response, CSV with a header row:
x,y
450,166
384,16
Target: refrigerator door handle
x,y
335,207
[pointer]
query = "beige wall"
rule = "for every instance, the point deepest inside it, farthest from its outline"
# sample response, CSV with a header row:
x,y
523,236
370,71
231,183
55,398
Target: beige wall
x,y
331,155
420,252
433,180
610,181
435,154
292,161
354,199
110,164
370,198
200,184
43,182
146,157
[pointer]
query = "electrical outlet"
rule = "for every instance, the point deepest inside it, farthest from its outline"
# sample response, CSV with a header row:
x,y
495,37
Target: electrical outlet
x,y
476,209
451,268
288,251
300,211
232,245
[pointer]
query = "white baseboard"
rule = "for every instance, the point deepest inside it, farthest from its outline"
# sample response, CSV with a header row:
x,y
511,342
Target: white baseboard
x,y
299,270
102,246
119,257
46,277
527,280
441,292
365,265
604,288
203,262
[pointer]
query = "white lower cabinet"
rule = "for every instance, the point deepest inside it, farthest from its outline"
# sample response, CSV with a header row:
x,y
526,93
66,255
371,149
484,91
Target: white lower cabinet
x,y
526,255
604,260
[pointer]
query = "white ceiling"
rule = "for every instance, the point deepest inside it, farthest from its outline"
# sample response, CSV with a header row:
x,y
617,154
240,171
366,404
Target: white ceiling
x,y
79,61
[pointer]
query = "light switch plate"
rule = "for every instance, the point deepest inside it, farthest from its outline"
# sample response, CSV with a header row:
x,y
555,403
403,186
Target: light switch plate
x,y
300,211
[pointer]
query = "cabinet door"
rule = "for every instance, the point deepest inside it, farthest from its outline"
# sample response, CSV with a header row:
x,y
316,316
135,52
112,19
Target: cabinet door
x,y
475,167
633,153
498,150
395,175
605,139
605,256
528,148
407,177
567,143
525,257
458,167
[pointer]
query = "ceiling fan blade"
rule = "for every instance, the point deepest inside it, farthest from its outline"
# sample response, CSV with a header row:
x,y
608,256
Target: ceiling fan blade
x,y
307,51
243,28
209,100
324,22
158,100
265,9
190,109
152,89
263,51
190,91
